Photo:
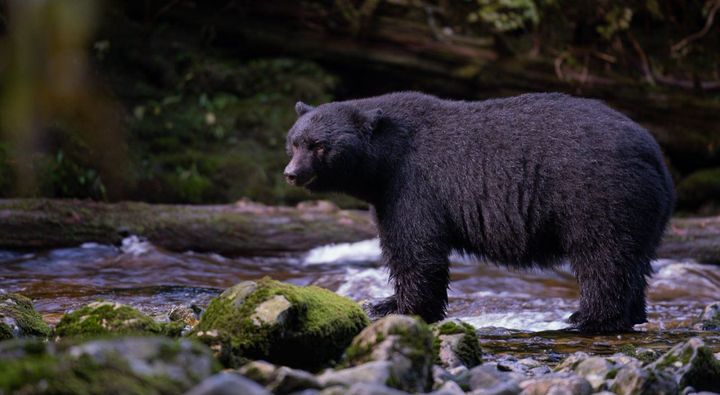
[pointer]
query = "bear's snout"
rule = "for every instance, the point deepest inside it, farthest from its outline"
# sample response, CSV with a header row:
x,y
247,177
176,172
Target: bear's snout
x,y
295,175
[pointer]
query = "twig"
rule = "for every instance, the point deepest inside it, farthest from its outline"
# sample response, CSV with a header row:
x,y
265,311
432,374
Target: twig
x,y
675,48
644,62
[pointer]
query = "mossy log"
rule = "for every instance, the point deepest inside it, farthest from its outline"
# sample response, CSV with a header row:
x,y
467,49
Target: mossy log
x,y
238,229
245,228
697,238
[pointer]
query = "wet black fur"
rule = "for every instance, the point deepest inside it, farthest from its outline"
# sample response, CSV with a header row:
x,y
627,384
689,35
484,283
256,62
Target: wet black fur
x,y
527,181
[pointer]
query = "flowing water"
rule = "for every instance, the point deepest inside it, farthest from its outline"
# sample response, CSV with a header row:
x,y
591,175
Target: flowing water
x,y
482,294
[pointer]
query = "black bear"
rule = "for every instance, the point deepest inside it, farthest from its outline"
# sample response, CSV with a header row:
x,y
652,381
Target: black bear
x,y
526,181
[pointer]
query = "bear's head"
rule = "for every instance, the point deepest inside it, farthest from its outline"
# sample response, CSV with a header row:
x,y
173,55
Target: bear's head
x,y
328,144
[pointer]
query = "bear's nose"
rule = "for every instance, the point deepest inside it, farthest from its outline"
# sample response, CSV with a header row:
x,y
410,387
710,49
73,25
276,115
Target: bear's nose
x,y
291,177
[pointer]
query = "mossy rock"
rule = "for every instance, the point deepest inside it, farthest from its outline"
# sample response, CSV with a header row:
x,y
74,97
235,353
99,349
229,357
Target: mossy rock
x,y
405,342
455,343
145,365
304,327
692,364
104,318
18,318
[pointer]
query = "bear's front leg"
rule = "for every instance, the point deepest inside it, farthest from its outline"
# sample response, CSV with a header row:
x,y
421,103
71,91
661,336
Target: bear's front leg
x,y
417,259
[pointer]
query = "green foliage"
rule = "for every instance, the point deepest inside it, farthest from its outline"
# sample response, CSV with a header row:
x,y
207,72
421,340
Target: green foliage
x,y
506,15
700,190
616,20
203,144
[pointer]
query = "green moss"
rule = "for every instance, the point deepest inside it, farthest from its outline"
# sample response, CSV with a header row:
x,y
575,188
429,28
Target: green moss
x,y
704,374
318,327
468,349
5,332
55,371
19,310
102,317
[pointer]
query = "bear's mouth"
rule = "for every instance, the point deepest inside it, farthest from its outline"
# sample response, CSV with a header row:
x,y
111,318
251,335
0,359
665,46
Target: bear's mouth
x,y
308,182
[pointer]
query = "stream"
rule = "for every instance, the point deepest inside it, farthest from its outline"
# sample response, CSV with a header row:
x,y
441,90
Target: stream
x,y
526,308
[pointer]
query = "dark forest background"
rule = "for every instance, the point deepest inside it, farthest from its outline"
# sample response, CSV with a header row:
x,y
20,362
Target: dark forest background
x,y
180,101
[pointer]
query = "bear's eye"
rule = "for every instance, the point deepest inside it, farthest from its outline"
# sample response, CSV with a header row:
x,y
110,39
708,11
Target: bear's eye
x,y
317,147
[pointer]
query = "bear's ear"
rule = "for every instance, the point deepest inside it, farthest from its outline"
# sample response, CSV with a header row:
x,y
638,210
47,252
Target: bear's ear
x,y
302,108
371,118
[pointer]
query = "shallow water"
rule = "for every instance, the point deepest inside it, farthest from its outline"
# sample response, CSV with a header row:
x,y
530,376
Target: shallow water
x,y
154,280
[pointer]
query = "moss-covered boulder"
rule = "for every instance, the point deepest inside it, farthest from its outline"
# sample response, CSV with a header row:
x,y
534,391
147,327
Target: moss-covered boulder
x,y
455,343
403,343
103,318
18,318
692,364
128,365
634,380
305,327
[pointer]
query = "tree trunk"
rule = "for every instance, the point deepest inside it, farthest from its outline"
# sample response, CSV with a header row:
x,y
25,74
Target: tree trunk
x,y
245,228
240,229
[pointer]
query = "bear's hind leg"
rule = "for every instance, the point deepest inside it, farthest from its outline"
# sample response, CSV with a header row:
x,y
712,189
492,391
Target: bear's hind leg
x,y
612,293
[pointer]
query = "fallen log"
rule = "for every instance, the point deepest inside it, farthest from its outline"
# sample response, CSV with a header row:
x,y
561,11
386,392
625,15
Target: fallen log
x,y
238,229
697,238
245,228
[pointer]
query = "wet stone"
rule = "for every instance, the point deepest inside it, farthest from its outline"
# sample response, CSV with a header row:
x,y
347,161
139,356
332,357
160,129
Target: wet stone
x,y
691,364
459,376
634,380
227,383
456,344
449,388
556,383
710,318
279,379
488,379
376,372
526,366
373,389
119,365
184,314
405,342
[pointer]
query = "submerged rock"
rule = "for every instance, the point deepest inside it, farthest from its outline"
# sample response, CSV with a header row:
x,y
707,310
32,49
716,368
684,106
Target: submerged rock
x,y
306,327
125,365
188,315
18,318
692,365
456,343
104,317
710,318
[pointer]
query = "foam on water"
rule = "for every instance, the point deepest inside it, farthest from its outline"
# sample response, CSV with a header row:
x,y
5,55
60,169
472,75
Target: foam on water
x,y
365,284
362,251
135,246
526,321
